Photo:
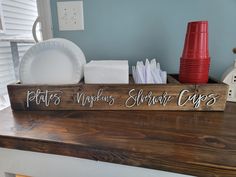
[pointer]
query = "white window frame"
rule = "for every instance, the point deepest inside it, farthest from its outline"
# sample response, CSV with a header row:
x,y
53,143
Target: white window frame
x,y
45,17
2,28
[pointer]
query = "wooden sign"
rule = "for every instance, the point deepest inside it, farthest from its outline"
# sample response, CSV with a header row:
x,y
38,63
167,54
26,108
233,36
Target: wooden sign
x,y
171,96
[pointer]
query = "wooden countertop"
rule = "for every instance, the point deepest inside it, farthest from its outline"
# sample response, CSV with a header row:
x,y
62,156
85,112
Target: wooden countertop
x,y
195,143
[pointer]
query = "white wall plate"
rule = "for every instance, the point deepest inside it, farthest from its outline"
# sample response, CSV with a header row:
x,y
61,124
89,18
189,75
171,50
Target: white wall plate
x,y
70,15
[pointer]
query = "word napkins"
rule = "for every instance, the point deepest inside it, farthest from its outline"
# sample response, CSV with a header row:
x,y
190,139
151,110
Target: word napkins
x,y
150,73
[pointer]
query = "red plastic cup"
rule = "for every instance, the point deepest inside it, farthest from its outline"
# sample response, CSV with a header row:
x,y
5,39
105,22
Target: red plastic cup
x,y
195,75
202,81
197,26
196,41
200,69
195,69
195,78
194,72
195,60
199,62
195,66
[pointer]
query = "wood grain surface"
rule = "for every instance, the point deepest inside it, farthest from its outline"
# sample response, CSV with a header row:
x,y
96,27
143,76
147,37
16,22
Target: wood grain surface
x,y
195,143
171,96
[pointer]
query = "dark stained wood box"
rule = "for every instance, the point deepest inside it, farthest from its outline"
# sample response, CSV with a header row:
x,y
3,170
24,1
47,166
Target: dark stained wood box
x,y
171,96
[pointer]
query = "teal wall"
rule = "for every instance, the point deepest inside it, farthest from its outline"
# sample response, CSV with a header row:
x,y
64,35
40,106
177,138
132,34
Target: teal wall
x,y
136,29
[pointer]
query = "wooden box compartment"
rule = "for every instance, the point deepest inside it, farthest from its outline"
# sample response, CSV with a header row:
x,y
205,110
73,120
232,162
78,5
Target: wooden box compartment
x,y
171,96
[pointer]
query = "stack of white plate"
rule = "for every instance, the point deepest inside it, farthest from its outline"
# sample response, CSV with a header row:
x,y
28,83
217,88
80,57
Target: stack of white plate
x,y
55,61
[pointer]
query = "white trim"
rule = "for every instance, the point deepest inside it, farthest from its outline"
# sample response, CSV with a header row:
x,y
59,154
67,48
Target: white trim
x,y
44,11
48,165
2,19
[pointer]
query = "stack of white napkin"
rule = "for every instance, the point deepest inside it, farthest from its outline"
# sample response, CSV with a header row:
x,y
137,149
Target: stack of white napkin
x,y
107,72
150,73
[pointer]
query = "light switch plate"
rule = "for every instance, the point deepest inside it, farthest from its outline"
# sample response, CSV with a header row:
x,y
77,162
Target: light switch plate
x,y
70,15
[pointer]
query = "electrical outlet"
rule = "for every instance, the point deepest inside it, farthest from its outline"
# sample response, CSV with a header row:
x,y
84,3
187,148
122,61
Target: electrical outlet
x,y
70,15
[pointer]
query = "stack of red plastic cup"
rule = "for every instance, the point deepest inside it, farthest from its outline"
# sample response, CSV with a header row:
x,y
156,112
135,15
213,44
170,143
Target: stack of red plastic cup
x,y
195,61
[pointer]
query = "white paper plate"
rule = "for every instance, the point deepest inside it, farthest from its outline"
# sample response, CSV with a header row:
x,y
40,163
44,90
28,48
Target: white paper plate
x,y
55,61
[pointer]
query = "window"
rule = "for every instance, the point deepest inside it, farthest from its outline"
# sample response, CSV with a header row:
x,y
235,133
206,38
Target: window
x,y
1,19
18,17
